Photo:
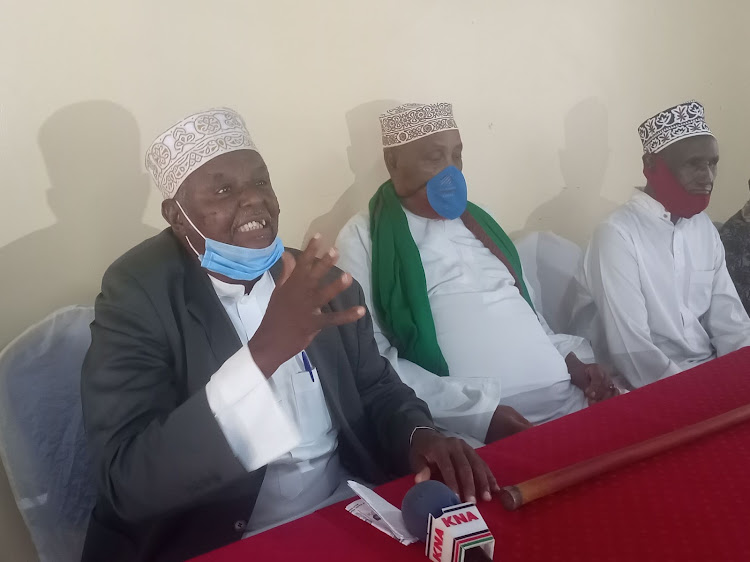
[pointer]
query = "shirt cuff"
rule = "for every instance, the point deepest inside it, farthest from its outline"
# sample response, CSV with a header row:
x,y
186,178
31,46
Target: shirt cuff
x,y
248,412
566,344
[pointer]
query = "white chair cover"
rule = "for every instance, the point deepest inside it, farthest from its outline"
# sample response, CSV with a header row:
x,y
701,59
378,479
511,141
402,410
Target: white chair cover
x,y
42,442
550,264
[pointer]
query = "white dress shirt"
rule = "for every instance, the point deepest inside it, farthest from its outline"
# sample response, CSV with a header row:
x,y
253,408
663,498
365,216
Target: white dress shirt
x,y
282,422
497,350
661,291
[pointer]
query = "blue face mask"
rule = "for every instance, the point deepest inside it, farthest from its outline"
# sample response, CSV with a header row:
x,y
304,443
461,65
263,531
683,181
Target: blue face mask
x,y
446,193
236,262
241,264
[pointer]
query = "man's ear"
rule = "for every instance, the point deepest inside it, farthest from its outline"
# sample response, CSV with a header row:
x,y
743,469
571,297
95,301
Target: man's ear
x,y
391,162
649,161
172,214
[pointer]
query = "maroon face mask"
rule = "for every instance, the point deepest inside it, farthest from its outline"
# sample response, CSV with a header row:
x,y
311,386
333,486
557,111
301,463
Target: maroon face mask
x,y
668,191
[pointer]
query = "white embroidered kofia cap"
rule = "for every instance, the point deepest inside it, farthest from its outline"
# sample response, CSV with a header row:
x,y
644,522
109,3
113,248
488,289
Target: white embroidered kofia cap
x,y
671,125
412,121
192,142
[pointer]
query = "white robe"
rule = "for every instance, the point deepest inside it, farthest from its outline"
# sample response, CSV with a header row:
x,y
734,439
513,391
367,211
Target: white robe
x,y
497,350
282,422
660,291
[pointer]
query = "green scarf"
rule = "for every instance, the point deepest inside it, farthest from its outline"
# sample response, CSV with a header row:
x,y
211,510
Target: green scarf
x,y
399,288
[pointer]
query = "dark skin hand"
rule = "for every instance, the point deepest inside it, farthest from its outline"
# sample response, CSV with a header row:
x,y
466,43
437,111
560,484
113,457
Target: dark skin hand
x,y
592,379
462,470
505,422
294,316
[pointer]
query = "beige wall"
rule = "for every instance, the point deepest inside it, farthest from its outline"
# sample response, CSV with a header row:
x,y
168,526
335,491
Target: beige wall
x,y
548,95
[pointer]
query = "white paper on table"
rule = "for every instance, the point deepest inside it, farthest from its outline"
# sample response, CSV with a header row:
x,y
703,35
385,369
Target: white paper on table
x,y
379,513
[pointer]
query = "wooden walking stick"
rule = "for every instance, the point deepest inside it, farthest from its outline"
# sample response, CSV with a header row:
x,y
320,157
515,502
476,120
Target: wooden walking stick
x,y
513,497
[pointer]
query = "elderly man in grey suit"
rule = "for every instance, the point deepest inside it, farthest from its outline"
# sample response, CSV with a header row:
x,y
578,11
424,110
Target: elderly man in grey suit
x,y
230,384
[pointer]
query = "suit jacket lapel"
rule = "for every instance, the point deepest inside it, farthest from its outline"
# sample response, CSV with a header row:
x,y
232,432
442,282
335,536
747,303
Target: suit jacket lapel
x,y
204,305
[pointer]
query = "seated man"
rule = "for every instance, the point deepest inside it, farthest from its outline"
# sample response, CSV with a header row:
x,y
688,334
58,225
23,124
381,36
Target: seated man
x,y
655,268
735,234
446,289
231,385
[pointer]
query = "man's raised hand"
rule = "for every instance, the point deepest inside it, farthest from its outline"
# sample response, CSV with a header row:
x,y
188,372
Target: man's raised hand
x,y
294,316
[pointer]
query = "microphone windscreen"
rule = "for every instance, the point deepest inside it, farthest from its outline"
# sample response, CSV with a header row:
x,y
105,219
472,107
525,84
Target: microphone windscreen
x,y
425,498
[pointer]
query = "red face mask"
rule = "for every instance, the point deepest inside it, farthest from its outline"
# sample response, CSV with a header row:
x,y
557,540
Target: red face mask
x,y
668,191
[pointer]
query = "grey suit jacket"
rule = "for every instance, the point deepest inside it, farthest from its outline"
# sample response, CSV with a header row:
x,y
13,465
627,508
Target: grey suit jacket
x,y
170,487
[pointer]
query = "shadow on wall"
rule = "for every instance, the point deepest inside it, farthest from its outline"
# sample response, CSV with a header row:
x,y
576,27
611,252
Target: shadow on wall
x,y
365,154
575,211
98,195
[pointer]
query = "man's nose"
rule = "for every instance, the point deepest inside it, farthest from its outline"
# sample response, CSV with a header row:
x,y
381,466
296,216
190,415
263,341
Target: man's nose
x,y
250,195
705,177
711,175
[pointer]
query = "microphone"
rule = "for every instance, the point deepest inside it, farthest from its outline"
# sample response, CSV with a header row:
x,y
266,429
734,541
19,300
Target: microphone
x,y
453,531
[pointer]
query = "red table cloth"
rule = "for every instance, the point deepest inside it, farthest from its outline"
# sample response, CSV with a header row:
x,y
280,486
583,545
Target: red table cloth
x,y
690,503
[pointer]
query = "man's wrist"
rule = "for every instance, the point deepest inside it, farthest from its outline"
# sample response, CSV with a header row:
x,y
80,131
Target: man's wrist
x,y
263,357
572,361
576,369
411,437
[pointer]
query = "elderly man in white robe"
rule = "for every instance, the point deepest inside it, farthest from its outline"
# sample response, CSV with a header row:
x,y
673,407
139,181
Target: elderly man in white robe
x,y
444,283
655,273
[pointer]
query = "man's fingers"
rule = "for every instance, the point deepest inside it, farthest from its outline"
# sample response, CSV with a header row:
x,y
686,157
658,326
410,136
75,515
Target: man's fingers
x,y
461,469
522,425
517,423
341,317
494,486
595,389
521,421
611,391
308,255
323,265
464,473
602,392
288,263
445,466
422,475
480,471
596,377
334,288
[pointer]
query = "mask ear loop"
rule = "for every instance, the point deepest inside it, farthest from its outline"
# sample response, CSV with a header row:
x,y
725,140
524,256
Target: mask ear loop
x,y
194,228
